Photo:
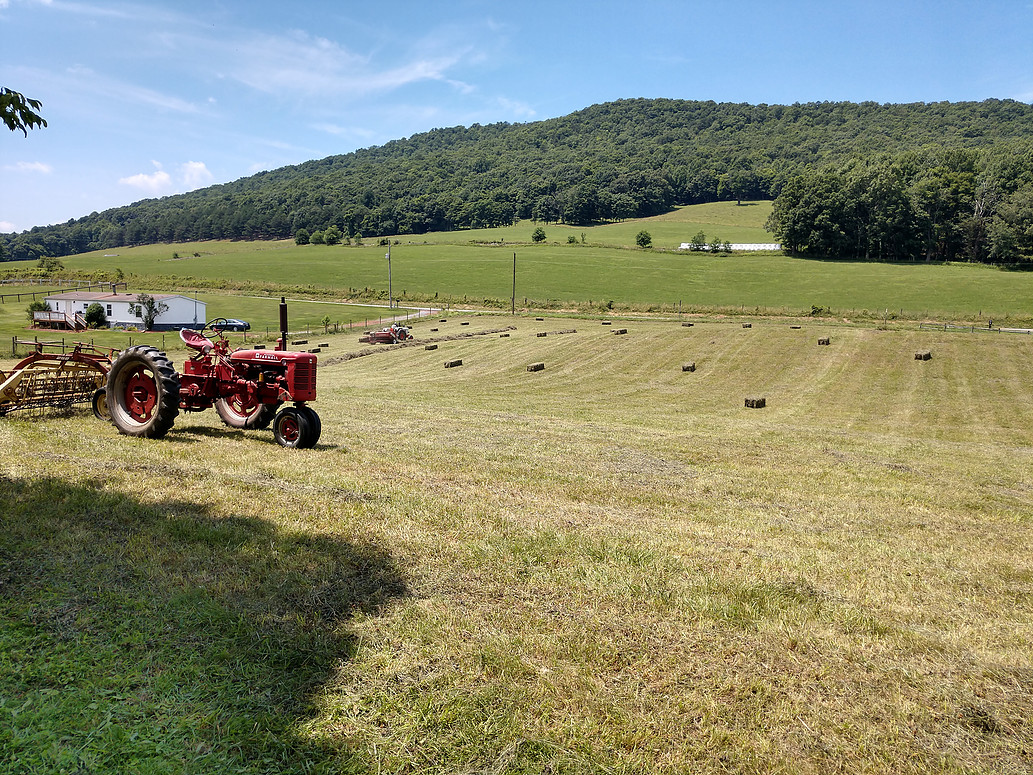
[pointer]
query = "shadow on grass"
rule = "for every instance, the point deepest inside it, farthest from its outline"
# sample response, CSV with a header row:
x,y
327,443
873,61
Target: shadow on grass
x,y
140,637
185,435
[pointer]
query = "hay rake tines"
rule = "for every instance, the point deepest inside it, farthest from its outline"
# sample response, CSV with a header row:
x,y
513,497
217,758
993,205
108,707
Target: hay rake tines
x,y
54,379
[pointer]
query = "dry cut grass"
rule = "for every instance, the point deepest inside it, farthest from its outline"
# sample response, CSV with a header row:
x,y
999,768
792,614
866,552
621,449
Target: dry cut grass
x,y
609,565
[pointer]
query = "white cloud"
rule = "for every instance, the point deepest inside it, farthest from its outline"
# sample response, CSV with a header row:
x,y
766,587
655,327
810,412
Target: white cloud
x,y
101,89
155,183
6,227
195,174
30,166
517,108
190,175
359,134
298,64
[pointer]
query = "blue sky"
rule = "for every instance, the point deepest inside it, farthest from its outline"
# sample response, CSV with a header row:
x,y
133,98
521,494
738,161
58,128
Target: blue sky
x,y
152,98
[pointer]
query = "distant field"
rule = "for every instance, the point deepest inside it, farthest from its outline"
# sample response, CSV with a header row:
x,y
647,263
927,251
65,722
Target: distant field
x,y
608,566
725,220
475,268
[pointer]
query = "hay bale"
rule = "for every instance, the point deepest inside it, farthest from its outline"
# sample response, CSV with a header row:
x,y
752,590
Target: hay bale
x,y
539,318
443,320
299,341
503,336
453,364
325,345
314,350
536,367
258,347
747,325
430,347
824,340
433,330
923,355
688,325
607,323
620,331
756,402
796,328
688,366
465,323
541,333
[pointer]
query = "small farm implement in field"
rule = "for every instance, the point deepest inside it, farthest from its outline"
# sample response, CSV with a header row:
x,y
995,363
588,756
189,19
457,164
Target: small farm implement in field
x,y
54,376
393,334
247,387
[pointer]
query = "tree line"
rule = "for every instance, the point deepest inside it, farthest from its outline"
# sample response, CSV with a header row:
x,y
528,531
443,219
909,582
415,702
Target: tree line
x,y
609,162
932,204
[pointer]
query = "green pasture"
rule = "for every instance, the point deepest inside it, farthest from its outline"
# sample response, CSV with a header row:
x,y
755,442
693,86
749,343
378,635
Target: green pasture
x,y
476,269
583,277
726,221
606,566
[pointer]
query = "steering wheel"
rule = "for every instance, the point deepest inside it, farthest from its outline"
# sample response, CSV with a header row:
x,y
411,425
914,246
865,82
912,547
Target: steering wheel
x,y
213,324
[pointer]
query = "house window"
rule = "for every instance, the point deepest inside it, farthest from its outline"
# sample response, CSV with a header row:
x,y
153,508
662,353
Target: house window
x,y
109,310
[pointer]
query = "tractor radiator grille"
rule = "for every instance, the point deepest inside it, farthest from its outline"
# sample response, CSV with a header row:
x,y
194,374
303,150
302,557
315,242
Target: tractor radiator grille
x,y
305,379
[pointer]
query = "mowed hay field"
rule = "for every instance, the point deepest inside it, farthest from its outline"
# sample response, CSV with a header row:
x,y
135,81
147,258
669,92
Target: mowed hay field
x,y
606,566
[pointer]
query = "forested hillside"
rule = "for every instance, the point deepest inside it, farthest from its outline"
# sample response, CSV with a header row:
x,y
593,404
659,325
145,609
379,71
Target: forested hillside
x,y
618,160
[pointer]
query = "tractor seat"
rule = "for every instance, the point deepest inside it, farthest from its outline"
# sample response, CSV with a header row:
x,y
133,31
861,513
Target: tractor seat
x,y
196,340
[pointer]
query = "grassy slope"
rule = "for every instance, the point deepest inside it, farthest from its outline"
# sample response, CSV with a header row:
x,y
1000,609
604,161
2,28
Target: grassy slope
x,y
607,566
463,268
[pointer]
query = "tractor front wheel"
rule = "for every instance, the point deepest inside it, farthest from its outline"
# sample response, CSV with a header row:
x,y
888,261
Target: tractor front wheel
x,y
244,412
314,423
143,392
293,428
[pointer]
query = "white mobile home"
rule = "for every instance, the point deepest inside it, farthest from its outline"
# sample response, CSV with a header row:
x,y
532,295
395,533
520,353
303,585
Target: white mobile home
x,y
122,310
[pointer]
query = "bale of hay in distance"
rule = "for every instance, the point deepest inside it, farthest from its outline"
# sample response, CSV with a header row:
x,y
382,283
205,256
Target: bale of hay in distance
x,y
453,364
824,340
431,347
756,402
923,355
536,367
688,366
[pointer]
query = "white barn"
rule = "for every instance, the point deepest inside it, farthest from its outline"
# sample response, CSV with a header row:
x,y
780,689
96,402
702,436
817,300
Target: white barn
x,y
743,246
182,312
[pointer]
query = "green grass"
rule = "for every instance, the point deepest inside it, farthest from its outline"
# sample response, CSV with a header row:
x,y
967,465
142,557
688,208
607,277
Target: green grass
x,y
475,269
607,566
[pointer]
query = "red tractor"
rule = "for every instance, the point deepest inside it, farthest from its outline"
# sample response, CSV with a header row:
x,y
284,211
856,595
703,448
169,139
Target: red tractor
x,y
144,393
393,334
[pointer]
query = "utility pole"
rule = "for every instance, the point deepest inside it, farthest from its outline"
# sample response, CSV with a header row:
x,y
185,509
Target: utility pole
x,y
513,307
390,296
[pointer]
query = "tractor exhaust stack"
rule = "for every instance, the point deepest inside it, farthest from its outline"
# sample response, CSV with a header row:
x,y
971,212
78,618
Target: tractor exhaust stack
x,y
283,324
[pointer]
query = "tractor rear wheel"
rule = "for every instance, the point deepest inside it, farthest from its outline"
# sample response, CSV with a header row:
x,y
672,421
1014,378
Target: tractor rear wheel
x,y
143,392
292,427
245,413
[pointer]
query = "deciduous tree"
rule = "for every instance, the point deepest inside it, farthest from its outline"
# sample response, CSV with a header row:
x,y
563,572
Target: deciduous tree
x,y
19,112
